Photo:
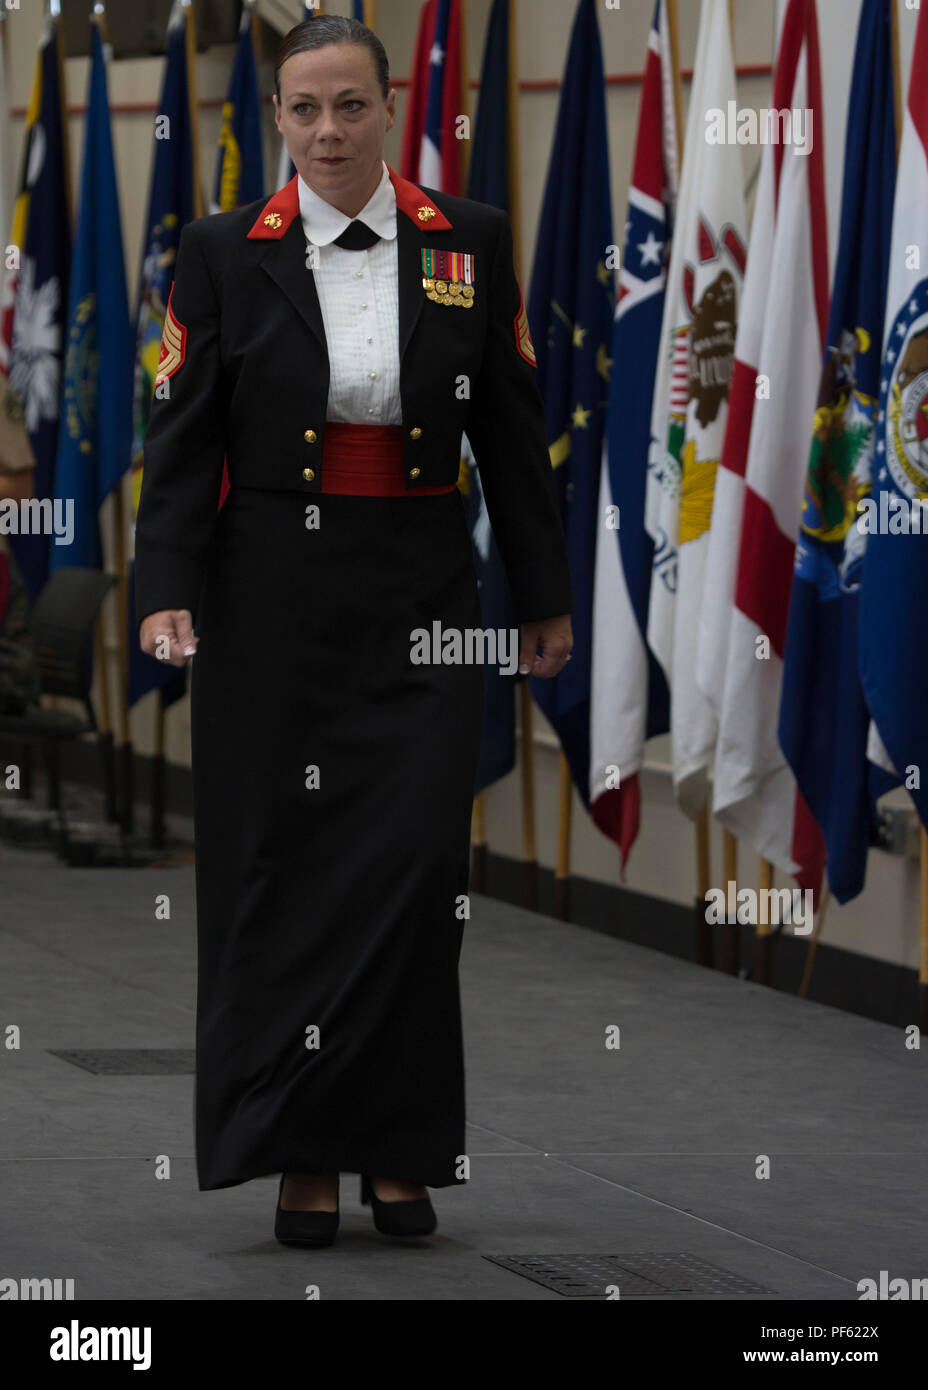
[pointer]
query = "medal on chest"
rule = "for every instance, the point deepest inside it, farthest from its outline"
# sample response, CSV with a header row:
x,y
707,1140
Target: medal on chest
x,y
448,276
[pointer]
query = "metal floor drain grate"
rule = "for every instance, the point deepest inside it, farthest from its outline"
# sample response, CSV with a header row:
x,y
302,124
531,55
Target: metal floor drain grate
x,y
130,1061
636,1275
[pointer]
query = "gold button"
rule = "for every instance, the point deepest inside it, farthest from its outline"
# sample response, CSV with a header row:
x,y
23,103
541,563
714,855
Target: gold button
x,y
414,472
308,474
310,436
415,432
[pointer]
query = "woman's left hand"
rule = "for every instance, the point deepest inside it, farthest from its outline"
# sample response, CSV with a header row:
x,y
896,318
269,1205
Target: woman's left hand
x,y
556,638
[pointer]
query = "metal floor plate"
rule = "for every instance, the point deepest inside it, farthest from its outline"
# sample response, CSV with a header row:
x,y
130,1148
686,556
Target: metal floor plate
x,y
644,1274
130,1061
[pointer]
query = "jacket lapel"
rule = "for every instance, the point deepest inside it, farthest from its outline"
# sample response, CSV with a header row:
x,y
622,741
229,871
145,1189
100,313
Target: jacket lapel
x,y
279,223
410,279
285,262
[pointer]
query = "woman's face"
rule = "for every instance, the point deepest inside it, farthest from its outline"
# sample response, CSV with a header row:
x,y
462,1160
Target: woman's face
x,y
332,109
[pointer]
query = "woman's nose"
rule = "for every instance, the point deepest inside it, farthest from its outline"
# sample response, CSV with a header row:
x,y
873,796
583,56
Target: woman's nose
x,y
328,127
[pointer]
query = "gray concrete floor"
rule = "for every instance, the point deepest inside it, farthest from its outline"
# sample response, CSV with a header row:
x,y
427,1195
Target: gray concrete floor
x,y
575,1148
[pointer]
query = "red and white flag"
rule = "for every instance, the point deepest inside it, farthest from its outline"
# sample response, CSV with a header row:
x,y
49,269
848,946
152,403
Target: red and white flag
x,y
690,405
778,359
431,151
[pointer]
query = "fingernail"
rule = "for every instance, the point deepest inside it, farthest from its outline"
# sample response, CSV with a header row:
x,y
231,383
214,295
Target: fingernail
x,y
190,651
523,669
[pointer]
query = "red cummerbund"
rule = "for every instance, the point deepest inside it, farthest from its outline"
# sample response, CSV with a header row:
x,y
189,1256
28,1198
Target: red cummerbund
x,y
367,461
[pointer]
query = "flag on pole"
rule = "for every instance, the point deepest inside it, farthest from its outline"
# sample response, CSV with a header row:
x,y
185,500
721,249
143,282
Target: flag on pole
x,y
894,584
629,699
240,162
6,179
95,440
690,403
571,308
417,92
286,169
493,173
42,232
171,203
431,153
779,353
823,714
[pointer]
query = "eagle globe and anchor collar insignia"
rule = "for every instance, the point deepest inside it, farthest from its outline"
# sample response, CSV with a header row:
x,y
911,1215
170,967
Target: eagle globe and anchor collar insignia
x,y
280,210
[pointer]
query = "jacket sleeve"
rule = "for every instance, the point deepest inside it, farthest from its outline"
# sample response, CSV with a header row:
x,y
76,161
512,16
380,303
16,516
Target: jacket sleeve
x,y
184,446
506,429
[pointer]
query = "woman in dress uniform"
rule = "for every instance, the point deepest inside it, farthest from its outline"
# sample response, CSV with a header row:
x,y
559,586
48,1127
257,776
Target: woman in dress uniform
x,y
331,345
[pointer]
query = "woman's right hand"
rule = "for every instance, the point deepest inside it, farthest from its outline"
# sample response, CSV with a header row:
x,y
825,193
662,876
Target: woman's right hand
x,y
175,624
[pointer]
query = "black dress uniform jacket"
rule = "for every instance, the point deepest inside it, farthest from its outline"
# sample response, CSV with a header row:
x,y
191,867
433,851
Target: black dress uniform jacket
x,y
244,377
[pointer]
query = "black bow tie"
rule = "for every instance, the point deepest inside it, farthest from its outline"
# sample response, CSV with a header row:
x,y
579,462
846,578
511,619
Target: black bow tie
x,y
357,236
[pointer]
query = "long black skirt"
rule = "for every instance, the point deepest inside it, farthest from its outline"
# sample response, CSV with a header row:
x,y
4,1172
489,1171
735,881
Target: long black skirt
x,y
331,904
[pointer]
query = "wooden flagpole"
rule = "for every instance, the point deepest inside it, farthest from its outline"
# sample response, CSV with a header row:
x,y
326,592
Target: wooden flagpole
x,y
813,944
923,942
729,954
562,868
762,933
703,953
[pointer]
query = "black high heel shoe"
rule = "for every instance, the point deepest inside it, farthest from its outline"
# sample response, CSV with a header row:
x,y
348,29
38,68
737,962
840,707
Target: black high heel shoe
x,y
415,1218
307,1228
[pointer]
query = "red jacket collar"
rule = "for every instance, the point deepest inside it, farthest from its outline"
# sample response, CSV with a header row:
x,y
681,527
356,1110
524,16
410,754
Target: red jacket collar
x,y
280,210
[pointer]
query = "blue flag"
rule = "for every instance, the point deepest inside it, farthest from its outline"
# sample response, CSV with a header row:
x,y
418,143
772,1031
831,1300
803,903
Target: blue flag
x,y
41,293
95,439
170,205
823,715
240,165
630,700
570,313
489,182
894,585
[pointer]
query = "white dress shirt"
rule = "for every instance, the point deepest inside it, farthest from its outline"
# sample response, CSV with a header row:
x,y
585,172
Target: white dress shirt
x,y
359,299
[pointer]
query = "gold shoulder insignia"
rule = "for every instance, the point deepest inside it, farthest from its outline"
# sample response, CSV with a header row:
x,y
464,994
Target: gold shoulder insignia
x,y
273,220
425,214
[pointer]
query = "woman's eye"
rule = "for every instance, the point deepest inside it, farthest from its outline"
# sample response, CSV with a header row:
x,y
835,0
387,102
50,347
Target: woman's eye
x,y
305,105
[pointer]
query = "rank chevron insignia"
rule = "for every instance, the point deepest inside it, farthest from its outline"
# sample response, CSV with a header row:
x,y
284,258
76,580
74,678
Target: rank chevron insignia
x,y
173,344
523,336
